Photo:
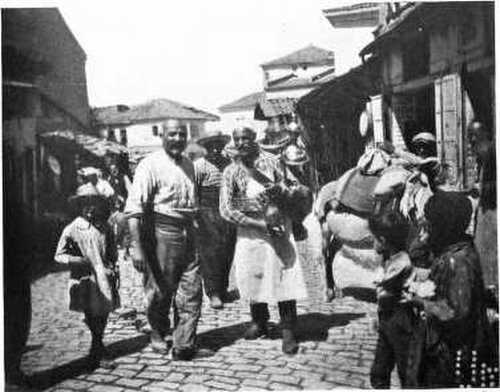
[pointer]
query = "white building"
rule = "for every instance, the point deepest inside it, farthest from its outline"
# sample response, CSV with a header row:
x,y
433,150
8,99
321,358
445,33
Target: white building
x,y
285,80
241,113
297,73
139,127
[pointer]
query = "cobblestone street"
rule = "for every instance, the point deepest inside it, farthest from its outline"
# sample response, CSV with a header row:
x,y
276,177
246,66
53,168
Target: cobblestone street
x,y
337,341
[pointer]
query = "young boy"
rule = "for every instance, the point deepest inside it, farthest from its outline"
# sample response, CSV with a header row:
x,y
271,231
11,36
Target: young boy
x,y
396,317
87,246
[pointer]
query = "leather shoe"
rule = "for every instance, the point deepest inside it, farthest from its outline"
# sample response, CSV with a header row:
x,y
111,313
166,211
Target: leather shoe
x,y
184,354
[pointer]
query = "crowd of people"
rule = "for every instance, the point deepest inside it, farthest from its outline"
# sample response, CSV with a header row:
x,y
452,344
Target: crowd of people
x,y
187,223
242,207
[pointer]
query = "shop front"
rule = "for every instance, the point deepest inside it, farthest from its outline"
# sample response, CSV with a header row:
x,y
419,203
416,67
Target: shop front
x,y
437,75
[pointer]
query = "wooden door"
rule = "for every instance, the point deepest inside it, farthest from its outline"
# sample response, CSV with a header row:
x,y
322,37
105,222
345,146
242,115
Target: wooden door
x,y
449,127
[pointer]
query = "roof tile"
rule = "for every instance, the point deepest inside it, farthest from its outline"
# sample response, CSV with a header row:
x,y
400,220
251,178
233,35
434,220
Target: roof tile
x,y
152,110
246,102
310,55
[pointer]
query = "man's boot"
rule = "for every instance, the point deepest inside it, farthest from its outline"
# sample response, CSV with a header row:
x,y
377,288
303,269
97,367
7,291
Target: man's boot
x,y
288,315
260,316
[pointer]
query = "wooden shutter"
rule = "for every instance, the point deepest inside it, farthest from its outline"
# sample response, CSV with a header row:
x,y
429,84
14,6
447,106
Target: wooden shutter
x,y
449,128
377,115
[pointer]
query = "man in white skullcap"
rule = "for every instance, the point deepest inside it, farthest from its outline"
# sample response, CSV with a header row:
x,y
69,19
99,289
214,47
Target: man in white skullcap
x,y
424,144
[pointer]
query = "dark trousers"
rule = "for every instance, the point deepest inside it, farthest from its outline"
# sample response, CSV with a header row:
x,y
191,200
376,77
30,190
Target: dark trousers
x,y
173,278
395,333
287,310
216,240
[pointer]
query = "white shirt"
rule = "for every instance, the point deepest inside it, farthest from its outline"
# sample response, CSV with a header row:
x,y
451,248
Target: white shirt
x,y
166,185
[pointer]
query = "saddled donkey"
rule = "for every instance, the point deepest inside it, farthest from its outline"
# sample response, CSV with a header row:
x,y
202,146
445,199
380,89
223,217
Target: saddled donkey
x,y
379,182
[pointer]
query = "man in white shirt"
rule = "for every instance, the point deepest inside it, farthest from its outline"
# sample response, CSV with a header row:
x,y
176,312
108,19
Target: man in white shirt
x,y
161,207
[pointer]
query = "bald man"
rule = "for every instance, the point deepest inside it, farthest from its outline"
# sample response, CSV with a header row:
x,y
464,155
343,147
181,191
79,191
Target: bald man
x,y
161,207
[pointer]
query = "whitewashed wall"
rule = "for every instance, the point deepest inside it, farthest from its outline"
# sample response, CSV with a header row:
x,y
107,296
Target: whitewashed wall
x,y
230,121
142,134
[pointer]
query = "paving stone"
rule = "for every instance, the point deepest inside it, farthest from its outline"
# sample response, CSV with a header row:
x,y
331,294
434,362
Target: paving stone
x,y
212,365
192,368
132,366
124,372
285,379
253,376
220,372
197,378
193,388
161,386
276,370
255,383
77,385
275,386
105,388
318,385
309,374
246,368
104,378
272,362
159,368
227,380
221,386
337,375
360,370
131,382
126,360
175,377
152,375
152,356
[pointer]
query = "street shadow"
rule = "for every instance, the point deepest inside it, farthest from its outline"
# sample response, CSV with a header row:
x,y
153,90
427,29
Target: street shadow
x,y
360,293
217,338
310,327
231,296
50,377
43,269
315,326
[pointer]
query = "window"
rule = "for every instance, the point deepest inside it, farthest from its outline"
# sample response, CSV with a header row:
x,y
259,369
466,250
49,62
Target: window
x,y
155,130
111,135
123,136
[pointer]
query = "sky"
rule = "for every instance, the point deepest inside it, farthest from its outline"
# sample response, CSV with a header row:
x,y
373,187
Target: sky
x,y
202,53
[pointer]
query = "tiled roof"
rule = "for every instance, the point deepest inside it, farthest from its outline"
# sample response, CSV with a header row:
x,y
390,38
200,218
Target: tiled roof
x,y
296,82
268,108
246,102
152,110
353,7
310,55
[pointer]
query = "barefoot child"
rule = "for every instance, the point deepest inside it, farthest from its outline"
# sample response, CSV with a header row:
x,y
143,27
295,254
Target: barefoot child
x,y
396,318
87,246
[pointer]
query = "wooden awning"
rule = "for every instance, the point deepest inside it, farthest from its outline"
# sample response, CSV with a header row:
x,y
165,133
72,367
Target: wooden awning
x,y
90,144
269,108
